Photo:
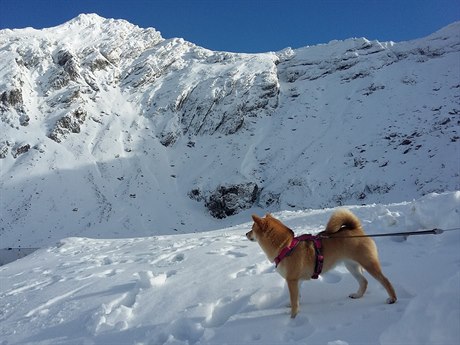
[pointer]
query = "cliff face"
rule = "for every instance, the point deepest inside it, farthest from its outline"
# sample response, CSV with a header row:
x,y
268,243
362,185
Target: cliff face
x,y
109,129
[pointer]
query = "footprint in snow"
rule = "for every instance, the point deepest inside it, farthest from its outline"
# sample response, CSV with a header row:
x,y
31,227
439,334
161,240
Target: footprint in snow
x,y
256,269
297,329
103,274
221,311
166,259
146,279
187,330
118,313
178,257
171,273
228,251
107,261
235,254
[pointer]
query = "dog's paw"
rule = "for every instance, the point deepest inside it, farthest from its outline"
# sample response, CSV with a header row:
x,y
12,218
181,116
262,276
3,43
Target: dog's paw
x,y
294,311
391,300
355,295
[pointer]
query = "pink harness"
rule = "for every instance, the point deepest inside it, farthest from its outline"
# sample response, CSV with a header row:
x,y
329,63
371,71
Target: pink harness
x,y
286,251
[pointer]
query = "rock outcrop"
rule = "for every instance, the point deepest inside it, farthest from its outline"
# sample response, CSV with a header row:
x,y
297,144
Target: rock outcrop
x,y
228,200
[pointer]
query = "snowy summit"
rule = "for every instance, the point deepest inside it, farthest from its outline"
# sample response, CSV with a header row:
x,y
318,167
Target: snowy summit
x,y
120,151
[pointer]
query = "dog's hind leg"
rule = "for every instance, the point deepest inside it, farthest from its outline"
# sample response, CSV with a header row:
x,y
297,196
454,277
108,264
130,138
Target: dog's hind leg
x,y
357,272
373,267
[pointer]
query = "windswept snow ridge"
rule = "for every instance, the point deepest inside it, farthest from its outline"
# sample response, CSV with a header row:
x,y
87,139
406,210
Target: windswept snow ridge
x,y
109,130
219,288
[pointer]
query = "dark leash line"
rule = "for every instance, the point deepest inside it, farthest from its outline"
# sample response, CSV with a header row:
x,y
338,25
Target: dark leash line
x,y
434,231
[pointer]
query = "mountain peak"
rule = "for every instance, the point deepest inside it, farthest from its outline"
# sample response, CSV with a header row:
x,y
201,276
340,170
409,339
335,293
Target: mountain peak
x,y
93,19
88,18
90,28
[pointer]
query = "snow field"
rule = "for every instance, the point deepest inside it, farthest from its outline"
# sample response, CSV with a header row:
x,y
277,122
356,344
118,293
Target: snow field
x,y
218,288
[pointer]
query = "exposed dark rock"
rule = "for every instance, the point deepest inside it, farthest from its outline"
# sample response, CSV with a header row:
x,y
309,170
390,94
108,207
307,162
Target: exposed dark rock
x,y
359,162
352,193
383,188
59,79
11,98
195,194
20,149
222,104
24,120
4,150
269,199
68,62
406,142
68,124
168,138
371,89
229,200
99,64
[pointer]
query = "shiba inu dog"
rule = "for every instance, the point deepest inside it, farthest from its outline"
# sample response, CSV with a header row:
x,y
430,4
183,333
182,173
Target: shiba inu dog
x,y
343,240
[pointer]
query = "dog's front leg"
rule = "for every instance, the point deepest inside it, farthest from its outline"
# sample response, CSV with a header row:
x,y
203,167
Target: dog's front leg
x,y
293,286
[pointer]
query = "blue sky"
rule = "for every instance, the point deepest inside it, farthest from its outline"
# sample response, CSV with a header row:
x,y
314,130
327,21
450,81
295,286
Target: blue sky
x,y
250,25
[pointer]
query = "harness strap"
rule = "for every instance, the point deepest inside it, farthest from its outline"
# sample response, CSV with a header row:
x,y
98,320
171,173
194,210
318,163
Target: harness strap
x,y
286,251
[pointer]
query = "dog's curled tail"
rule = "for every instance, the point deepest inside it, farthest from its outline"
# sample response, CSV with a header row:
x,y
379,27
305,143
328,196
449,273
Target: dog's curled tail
x,y
342,219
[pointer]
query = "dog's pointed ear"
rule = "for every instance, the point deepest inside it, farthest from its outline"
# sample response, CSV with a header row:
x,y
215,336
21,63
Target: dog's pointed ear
x,y
268,215
259,221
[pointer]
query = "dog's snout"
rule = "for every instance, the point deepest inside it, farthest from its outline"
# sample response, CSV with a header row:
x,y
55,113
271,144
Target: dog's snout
x,y
250,236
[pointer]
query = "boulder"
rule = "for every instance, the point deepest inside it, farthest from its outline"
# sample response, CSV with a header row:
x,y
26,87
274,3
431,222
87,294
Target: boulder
x,y
228,200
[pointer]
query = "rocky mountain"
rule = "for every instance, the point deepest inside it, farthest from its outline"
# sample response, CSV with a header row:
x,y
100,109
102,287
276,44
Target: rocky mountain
x,y
110,130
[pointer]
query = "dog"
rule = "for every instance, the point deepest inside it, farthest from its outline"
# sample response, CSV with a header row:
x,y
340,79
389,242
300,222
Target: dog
x,y
337,245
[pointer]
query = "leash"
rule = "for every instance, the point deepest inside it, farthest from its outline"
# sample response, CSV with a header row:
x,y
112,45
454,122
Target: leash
x,y
435,231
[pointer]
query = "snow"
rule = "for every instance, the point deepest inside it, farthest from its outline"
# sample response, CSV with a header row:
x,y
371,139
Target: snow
x,y
218,288
127,257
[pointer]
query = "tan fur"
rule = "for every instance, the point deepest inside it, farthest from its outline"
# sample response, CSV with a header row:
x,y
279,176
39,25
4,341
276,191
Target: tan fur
x,y
357,253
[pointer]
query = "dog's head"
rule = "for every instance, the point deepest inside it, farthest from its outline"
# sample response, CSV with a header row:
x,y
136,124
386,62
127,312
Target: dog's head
x,y
257,228
268,228
270,233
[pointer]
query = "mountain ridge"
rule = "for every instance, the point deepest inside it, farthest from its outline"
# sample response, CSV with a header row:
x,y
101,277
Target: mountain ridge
x,y
154,131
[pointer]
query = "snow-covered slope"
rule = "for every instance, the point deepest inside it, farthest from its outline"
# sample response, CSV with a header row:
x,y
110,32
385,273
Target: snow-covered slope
x,y
109,130
218,288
